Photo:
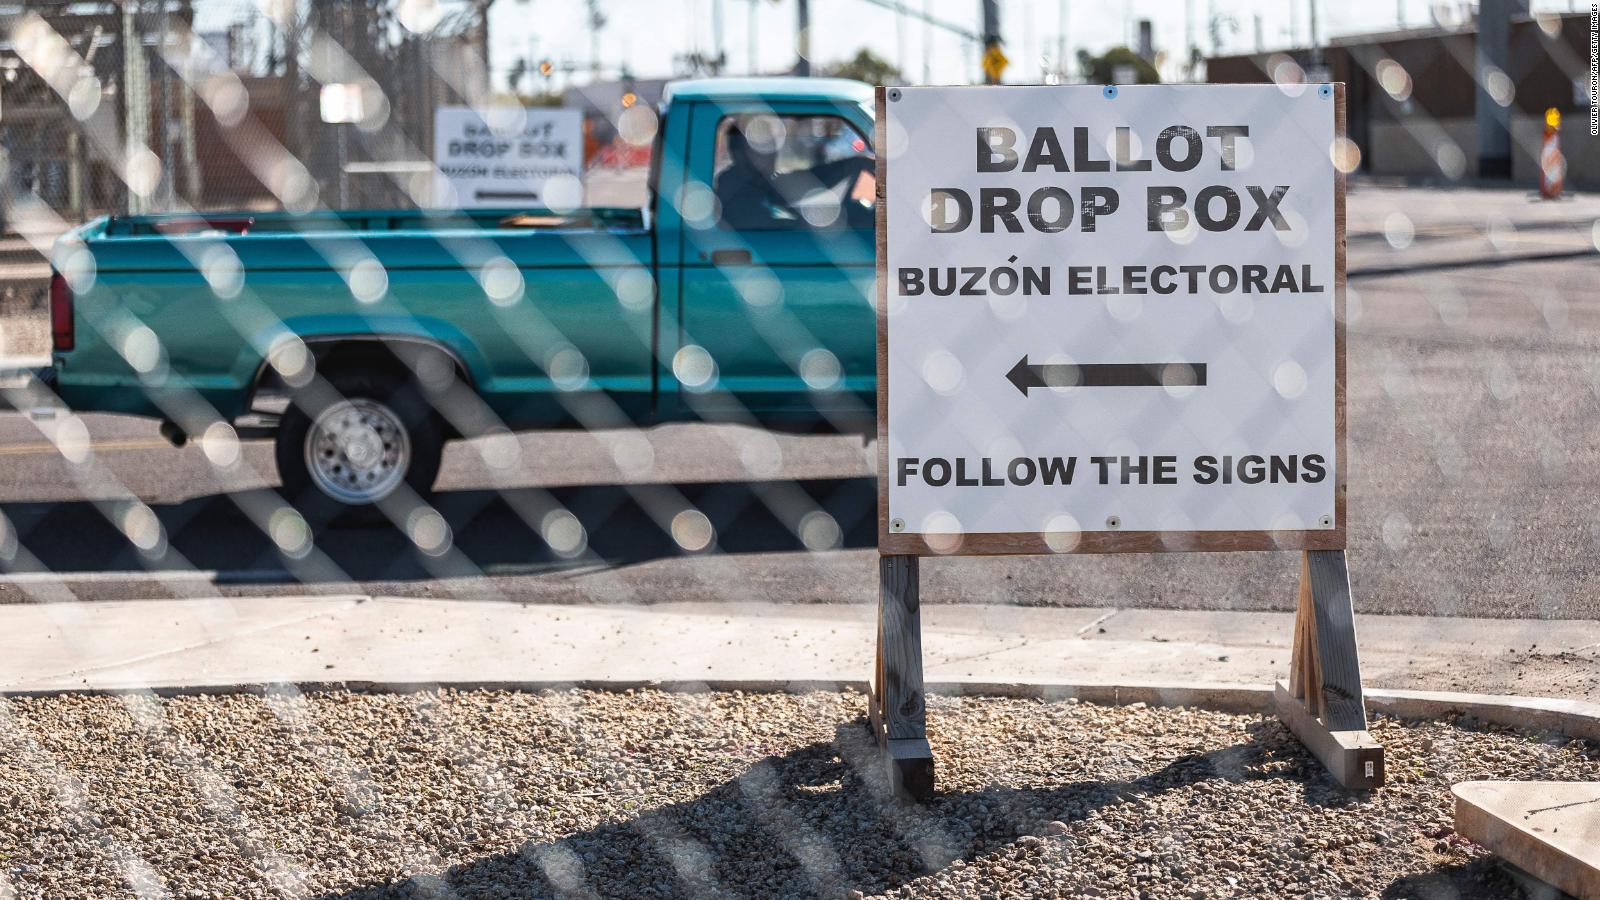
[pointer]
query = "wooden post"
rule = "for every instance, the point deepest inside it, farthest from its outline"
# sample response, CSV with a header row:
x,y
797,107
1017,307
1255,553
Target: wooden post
x,y
897,706
1322,701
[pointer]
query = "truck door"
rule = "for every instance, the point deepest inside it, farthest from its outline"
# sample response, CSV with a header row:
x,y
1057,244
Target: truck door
x,y
775,310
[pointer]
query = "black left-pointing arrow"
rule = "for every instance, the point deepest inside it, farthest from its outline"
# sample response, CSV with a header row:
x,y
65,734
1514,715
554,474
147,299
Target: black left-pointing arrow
x,y
1025,375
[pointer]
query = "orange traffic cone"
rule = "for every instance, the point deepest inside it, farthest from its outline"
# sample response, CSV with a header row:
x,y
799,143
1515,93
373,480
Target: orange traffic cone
x,y
1552,165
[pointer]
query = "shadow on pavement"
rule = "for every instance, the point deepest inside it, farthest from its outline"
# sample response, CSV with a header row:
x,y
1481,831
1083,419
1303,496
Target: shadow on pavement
x,y
818,821
1476,262
625,525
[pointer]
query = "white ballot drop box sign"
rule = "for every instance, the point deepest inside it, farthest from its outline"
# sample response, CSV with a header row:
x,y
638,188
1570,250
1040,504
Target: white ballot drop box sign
x,y
1110,318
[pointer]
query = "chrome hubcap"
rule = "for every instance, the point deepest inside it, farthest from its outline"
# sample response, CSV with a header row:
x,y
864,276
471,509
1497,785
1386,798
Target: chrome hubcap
x,y
358,451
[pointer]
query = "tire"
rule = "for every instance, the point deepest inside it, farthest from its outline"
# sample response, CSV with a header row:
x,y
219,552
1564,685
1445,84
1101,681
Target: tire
x,y
350,445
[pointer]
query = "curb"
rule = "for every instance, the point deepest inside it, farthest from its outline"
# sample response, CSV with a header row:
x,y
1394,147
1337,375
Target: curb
x,y
1572,718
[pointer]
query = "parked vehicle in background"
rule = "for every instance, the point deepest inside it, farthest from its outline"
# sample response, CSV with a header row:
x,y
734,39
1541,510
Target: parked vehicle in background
x,y
364,340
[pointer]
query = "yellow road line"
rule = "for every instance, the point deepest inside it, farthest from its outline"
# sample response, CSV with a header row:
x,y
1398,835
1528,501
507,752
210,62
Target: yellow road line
x,y
40,448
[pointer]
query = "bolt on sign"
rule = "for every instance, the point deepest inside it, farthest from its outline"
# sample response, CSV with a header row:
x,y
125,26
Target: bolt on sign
x,y
1110,319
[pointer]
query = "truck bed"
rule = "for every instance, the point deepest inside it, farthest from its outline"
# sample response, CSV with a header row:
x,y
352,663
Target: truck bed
x,y
503,291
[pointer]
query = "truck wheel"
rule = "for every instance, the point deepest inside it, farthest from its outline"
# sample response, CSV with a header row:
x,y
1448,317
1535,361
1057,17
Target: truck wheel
x,y
347,445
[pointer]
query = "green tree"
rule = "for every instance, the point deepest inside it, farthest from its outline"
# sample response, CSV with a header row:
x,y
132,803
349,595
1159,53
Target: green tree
x,y
865,66
1101,69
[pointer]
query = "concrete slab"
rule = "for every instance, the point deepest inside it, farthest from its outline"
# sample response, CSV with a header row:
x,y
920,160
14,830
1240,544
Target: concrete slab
x,y
217,641
1549,829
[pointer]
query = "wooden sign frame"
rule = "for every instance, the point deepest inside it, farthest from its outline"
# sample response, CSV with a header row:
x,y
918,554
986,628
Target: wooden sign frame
x,y
1016,543
1322,702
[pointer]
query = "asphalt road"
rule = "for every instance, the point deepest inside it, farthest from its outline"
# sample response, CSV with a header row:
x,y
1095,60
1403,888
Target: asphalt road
x,y
1473,400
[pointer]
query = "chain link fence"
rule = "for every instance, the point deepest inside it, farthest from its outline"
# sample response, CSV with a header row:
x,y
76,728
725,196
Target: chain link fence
x,y
176,105
201,96
1473,392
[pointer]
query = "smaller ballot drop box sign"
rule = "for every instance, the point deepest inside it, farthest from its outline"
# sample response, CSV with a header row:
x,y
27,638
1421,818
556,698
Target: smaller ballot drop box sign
x,y
1111,318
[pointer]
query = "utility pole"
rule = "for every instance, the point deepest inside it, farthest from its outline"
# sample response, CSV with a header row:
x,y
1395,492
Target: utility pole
x,y
1316,39
597,21
186,142
75,156
163,29
802,63
342,129
991,38
295,131
135,92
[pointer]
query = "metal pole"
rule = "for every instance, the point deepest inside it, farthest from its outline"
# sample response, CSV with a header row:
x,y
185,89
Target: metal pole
x,y
991,33
186,141
597,21
75,174
927,48
802,63
75,157
343,129
163,27
135,94
1316,39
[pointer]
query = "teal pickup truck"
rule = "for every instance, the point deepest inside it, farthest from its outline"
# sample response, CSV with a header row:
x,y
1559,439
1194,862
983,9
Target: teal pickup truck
x,y
363,340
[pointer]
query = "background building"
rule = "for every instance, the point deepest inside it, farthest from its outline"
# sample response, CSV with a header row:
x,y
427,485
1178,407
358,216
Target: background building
x,y
1411,95
85,86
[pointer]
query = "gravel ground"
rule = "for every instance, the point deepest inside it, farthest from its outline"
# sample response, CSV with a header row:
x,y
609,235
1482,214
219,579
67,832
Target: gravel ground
x,y
494,794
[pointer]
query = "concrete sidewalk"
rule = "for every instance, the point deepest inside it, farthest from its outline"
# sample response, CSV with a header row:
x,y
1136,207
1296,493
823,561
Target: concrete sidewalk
x,y
219,642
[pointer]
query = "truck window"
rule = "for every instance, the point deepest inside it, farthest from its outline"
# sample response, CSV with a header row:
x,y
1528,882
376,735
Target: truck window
x,y
777,172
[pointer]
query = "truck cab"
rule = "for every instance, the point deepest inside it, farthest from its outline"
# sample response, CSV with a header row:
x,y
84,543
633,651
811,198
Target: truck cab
x,y
764,234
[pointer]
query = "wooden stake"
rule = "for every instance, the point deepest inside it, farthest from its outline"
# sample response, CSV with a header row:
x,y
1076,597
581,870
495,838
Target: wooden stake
x,y
1322,701
898,707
